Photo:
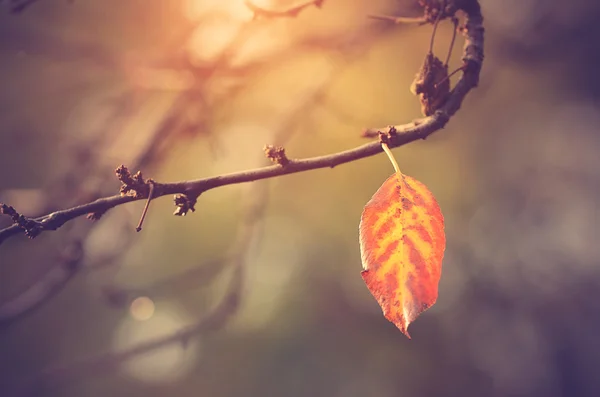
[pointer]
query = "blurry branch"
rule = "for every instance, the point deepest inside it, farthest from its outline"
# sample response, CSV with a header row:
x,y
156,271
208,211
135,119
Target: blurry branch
x,y
290,12
253,212
70,188
18,6
47,284
73,186
193,278
186,116
135,187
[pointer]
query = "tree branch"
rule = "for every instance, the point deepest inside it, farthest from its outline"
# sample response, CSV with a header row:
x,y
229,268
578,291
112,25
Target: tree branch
x,y
192,189
398,135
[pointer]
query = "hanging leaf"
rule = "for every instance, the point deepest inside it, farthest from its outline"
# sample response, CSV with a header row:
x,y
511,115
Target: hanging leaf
x,y
402,244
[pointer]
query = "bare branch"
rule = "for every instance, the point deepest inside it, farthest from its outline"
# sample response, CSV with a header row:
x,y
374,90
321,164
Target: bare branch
x,y
194,188
18,6
421,129
110,360
193,278
47,285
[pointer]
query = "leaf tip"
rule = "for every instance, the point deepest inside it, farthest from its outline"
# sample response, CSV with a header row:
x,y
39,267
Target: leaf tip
x,y
401,321
405,332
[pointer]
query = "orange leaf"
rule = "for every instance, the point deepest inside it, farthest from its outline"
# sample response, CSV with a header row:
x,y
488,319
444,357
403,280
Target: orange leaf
x,y
402,244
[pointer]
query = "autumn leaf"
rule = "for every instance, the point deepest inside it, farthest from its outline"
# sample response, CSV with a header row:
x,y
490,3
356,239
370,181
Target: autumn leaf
x,y
402,244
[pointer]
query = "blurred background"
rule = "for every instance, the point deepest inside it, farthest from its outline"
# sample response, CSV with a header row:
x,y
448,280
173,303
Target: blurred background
x,y
258,293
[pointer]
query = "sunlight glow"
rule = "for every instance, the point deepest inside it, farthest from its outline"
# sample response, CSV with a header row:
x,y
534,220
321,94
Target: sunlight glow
x,y
227,25
211,38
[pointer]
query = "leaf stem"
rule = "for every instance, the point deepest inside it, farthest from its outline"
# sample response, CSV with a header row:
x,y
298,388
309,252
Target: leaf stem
x,y
390,155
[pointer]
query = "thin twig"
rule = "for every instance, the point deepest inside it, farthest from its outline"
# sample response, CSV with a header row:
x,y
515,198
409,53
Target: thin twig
x,y
461,68
455,23
435,26
400,20
145,211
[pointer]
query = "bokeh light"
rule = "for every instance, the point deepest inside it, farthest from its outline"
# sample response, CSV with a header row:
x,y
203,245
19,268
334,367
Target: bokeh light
x,y
142,308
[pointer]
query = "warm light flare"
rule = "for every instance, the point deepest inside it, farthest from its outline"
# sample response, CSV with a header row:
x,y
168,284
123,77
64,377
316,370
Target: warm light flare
x,y
229,26
211,38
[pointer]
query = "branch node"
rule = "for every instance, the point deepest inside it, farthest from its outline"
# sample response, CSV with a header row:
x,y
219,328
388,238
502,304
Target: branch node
x,y
276,154
184,204
385,137
31,227
435,10
94,216
132,185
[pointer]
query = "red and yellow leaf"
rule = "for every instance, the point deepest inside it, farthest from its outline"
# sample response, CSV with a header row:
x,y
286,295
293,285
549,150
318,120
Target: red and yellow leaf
x,y
402,245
